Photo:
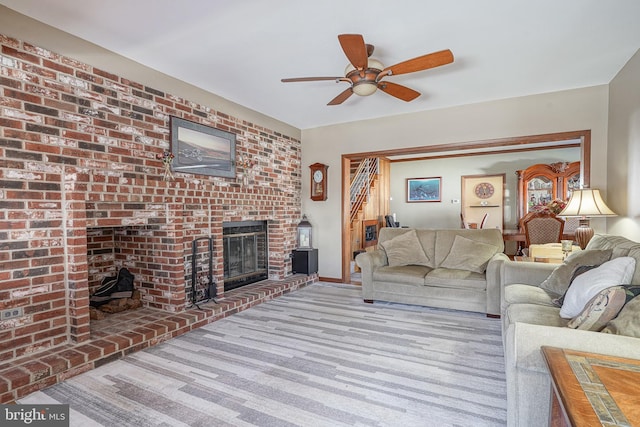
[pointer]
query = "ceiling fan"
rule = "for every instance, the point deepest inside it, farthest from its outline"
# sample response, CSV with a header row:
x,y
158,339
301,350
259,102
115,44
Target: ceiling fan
x,y
364,74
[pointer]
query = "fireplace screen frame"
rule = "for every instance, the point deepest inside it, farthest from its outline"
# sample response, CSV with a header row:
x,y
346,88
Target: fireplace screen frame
x,y
245,239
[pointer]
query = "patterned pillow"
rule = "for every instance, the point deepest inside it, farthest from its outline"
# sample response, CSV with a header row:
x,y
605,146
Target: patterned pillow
x,y
602,308
405,249
628,320
616,272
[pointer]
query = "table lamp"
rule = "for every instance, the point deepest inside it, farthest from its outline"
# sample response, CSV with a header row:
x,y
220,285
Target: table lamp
x,y
584,204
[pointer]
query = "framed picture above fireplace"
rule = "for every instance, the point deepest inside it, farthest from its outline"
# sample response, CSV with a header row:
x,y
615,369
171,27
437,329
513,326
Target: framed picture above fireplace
x,y
201,149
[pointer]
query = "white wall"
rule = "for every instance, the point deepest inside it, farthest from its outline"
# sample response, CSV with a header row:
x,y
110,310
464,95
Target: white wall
x,y
571,110
623,166
447,214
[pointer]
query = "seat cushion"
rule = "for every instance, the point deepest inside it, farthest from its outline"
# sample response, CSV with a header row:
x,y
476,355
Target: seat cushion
x,y
407,274
527,294
534,314
451,278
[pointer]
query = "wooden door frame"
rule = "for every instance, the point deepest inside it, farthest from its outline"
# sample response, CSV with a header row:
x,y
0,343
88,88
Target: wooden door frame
x,y
522,143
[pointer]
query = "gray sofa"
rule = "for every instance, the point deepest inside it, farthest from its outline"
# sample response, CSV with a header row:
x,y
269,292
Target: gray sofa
x,y
456,269
530,319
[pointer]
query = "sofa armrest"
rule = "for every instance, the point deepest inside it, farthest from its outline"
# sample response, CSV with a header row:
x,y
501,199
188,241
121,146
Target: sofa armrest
x,y
528,378
494,268
524,341
526,273
368,262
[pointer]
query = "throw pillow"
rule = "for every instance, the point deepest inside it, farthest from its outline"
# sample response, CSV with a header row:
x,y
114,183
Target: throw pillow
x,y
628,320
558,281
602,308
578,271
405,249
618,271
467,254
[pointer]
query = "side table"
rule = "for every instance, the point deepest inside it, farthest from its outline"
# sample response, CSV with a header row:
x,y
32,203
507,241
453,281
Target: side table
x,y
305,261
591,389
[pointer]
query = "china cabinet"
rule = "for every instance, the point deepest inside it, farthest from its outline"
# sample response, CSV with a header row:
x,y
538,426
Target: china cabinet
x,y
540,184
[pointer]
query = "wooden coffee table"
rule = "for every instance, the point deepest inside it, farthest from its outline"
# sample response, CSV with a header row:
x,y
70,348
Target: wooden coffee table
x,y
591,389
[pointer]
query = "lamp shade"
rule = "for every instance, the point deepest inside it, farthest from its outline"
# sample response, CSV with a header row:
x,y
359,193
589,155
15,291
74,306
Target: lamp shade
x,y
586,203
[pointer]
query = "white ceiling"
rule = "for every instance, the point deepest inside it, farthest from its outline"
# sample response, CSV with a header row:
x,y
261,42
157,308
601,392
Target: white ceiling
x,y
240,49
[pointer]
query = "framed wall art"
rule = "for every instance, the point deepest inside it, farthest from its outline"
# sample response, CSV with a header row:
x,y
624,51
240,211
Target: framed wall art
x,y
424,189
201,149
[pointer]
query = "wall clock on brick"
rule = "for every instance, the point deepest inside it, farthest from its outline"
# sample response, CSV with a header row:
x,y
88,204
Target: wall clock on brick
x,y
318,181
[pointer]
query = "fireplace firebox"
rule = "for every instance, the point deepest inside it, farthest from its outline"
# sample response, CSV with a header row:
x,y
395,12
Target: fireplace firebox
x,y
245,253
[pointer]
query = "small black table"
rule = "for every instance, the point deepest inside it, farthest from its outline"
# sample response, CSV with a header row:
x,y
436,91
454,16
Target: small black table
x,y
305,261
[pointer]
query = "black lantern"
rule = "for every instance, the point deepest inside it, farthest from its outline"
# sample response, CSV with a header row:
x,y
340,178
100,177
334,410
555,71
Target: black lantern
x,y
304,234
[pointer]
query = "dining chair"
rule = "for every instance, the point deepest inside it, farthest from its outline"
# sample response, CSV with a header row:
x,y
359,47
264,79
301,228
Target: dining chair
x,y
463,223
542,227
484,220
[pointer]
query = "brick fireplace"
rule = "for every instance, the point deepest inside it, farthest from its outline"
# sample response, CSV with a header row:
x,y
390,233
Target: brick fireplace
x,y
83,193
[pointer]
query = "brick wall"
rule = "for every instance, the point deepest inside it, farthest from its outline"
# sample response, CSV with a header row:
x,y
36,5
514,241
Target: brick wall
x,y
82,191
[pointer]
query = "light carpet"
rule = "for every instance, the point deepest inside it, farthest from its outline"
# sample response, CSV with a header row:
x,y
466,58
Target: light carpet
x,y
319,356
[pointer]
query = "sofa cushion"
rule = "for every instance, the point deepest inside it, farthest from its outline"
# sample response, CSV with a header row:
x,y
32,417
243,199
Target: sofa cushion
x,y
628,320
621,246
448,278
408,274
534,314
602,308
560,278
467,254
427,239
445,239
405,249
526,294
618,271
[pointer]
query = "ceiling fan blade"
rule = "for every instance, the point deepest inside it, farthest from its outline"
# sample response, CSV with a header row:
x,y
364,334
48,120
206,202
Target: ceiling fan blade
x,y
399,91
309,79
355,49
424,62
343,96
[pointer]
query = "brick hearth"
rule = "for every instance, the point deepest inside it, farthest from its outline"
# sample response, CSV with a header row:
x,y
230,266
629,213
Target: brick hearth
x,y
122,333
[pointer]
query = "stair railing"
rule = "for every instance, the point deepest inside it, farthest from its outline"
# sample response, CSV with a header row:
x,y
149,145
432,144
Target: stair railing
x,y
361,182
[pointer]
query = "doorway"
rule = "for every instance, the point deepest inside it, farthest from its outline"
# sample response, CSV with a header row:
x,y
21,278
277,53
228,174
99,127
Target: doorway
x,y
580,139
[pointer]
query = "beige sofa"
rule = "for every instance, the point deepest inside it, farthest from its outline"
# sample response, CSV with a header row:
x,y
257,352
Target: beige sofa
x,y
456,269
530,319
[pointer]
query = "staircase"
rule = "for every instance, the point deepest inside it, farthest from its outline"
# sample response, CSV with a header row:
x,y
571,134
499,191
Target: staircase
x,y
362,180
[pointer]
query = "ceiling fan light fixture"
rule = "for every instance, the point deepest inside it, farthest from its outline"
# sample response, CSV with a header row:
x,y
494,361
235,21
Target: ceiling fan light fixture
x,y
364,88
364,78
